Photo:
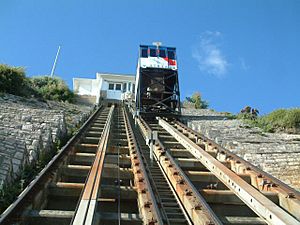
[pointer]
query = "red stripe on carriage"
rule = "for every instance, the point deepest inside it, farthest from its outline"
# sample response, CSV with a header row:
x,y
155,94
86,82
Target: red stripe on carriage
x,y
172,62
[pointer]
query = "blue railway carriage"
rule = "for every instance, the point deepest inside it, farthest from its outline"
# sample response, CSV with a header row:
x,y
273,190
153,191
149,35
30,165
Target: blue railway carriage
x,y
157,87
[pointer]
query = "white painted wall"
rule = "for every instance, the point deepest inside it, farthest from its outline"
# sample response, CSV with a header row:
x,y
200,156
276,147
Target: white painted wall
x,y
93,87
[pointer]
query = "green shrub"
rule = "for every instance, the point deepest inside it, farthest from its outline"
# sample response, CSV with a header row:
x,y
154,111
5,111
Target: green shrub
x,y
230,116
287,120
246,116
8,194
52,88
281,120
14,81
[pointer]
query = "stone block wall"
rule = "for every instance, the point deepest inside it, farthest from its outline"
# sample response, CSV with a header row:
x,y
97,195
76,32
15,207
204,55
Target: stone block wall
x,y
29,128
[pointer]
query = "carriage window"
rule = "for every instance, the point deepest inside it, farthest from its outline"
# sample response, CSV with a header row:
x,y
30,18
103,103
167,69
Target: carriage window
x,y
118,87
153,52
144,53
162,53
110,86
171,54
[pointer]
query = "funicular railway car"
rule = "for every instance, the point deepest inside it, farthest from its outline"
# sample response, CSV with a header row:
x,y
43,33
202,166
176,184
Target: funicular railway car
x,y
157,87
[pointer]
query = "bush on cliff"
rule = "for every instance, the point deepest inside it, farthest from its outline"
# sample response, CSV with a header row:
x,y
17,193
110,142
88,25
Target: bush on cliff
x,y
197,101
52,88
14,81
287,120
281,120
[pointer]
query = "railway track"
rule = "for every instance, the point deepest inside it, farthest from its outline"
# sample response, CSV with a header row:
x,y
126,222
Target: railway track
x,y
116,191
228,189
116,171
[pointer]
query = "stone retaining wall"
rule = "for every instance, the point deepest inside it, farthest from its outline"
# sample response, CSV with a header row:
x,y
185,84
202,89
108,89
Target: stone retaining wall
x,y
29,128
277,154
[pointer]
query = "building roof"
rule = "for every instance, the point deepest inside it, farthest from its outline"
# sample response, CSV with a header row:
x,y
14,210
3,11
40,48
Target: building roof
x,y
114,76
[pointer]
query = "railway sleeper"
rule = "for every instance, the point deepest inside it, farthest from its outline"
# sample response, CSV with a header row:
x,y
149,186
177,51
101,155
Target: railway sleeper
x,y
48,217
124,150
92,133
206,176
109,171
112,191
113,218
228,197
239,220
193,164
96,128
122,159
81,158
88,148
61,217
90,140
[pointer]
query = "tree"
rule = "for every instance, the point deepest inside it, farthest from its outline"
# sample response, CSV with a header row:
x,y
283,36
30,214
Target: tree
x,y
197,101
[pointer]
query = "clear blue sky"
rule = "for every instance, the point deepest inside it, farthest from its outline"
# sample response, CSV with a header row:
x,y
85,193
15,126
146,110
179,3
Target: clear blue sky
x,y
235,53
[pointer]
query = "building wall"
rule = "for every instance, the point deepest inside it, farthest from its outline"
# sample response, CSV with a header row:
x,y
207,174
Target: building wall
x,y
97,89
83,86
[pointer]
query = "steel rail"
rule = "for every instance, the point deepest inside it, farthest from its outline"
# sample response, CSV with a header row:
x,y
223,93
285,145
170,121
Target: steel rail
x,y
189,220
260,204
194,204
148,204
34,186
278,184
289,197
163,196
199,197
84,214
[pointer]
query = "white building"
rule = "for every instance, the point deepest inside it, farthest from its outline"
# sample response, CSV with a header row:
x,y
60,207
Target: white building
x,y
106,86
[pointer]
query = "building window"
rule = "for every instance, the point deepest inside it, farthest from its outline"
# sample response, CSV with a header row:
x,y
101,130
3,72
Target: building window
x,y
124,87
133,88
129,86
118,87
110,86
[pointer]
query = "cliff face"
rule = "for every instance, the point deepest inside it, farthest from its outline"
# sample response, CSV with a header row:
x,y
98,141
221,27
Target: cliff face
x,y
277,154
30,128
